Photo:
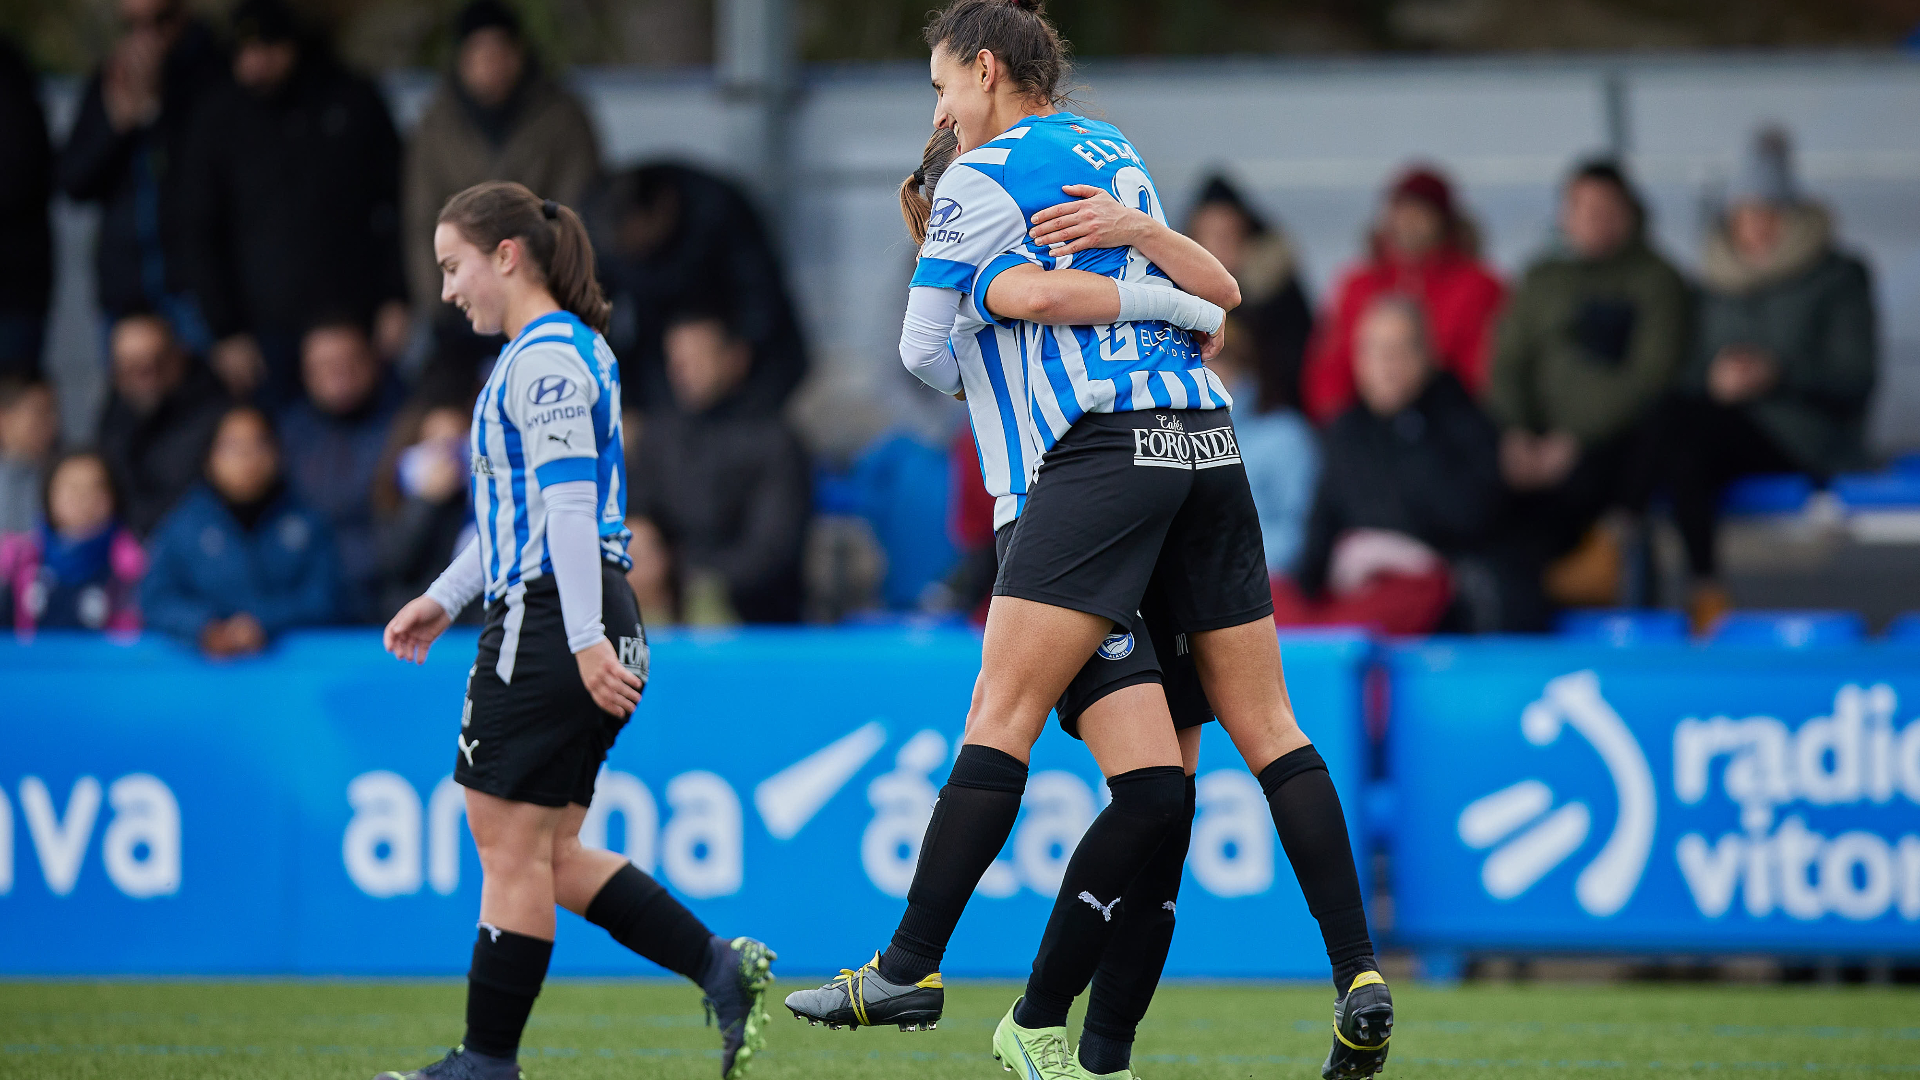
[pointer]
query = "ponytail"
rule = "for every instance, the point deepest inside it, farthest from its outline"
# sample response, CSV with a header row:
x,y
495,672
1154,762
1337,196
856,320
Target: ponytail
x,y
916,191
553,236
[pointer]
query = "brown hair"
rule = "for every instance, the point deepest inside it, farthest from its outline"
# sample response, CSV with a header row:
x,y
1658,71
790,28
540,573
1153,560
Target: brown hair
x,y
553,235
916,191
1017,33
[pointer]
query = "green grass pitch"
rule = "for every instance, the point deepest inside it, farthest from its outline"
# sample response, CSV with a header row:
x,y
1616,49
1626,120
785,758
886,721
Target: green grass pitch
x,y
654,1029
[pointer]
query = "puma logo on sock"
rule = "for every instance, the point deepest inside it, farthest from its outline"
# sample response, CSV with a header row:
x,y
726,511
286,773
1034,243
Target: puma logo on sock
x,y
1105,910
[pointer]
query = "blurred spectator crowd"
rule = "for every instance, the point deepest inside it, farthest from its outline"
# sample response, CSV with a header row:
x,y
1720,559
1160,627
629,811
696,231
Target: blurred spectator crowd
x,y
284,441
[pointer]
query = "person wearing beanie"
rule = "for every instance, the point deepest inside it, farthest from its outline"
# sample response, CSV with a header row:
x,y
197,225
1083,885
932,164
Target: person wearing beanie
x,y
1425,247
496,115
1782,369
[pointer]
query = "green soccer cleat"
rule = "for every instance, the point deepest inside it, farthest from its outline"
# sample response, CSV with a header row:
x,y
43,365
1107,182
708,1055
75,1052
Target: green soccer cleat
x,y
1035,1053
1362,1024
863,998
1123,1074
740,971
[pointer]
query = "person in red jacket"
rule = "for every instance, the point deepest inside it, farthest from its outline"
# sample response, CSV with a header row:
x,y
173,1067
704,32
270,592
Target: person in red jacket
x,y
1425,248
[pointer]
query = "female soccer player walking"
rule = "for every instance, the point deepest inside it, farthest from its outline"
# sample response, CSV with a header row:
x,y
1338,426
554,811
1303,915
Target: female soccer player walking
x,y
1141,482
563,658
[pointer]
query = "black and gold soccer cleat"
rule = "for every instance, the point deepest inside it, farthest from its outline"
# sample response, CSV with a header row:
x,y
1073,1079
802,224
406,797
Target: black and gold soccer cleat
x,y
1362,1024
861,998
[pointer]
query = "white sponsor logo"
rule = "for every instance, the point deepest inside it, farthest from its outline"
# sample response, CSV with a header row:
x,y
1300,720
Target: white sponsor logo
x,y
790,798
1162,448
467,748
1854,755
700,848
1169,447
1214,448
634,655
140,848
1532,841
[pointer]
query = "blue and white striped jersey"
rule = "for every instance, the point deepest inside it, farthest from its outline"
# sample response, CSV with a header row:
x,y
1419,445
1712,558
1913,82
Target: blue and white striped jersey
x,y
993,373
550,413
978,229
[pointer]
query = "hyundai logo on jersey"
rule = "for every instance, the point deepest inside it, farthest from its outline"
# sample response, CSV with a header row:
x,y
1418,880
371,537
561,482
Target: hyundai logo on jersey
x,y
550,389
1116,647
944,211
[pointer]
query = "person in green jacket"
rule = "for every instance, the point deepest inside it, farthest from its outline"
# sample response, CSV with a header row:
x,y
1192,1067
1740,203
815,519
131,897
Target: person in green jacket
x,y
1783,365
1591,342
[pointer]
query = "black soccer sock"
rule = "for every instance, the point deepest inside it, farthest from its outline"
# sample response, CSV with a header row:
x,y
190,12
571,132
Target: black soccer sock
x,y
1116,848
507,971
640,914
1306,812
970,825
1131,965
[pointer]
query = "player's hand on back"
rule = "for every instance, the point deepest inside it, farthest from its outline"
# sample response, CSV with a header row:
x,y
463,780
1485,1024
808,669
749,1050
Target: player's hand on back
x,y
414,628
614,688
1210,344
1092,218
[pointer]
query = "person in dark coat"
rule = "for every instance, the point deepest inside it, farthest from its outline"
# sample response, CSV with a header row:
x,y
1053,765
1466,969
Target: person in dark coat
x,y
1409,482
496,116
672,238
240,560
126,151
334,439
729,488
293,204
1274,316
1588,347
1785,356
159,418
26,162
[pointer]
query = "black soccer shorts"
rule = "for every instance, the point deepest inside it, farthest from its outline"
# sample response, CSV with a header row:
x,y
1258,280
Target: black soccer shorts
x,y
1128,499
536,735
1149,650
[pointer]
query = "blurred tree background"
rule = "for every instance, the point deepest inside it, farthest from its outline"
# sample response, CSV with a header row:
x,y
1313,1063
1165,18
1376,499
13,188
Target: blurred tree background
x,y
65,35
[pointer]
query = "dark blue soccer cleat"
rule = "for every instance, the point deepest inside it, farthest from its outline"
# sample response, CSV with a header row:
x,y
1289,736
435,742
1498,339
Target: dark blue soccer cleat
x,y
739,972
461,1064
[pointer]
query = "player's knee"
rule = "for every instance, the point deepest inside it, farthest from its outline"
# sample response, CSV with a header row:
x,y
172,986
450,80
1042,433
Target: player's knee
x,y
1156,796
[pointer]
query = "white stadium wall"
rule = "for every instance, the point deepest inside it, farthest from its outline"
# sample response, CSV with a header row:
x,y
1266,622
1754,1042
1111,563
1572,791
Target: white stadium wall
x,y
1311,141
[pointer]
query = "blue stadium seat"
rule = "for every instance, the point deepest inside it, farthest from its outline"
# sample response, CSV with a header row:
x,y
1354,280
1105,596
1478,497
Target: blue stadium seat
x,y
1791,629
1886,489
1770,493
1621,627
902,485
1904,628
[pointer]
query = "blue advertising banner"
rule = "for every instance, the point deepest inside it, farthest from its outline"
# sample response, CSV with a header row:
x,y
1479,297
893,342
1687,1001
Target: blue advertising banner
x,y
296,812
1671,799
